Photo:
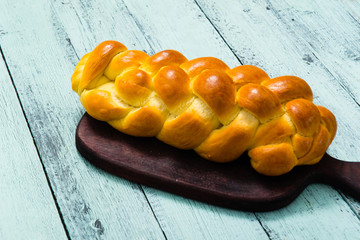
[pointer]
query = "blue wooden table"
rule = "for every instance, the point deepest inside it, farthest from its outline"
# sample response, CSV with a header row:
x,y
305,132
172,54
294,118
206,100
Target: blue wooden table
x,y
48,191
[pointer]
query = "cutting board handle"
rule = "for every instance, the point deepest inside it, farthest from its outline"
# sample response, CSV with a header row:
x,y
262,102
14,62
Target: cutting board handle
x,y
340,174
234,185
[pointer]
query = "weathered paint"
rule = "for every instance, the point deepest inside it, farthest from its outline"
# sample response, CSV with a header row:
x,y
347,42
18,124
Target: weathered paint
x,y
27,207
317,42
93,204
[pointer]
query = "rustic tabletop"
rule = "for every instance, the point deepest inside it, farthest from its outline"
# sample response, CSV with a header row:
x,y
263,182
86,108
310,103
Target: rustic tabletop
x,y
49,191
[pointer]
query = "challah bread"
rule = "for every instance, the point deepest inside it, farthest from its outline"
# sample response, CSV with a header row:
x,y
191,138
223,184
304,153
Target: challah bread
x,y
204,105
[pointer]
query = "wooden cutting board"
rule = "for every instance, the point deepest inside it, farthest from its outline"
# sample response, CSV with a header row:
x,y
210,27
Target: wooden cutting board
x,y
233,185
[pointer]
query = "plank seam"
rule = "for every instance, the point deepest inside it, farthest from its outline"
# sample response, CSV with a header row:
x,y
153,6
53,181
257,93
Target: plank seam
x,y
342,85
269,6
346,199
152,210
70,45
234,52
263,227
137,23
36,147
218,32
353,17
312,50
150,46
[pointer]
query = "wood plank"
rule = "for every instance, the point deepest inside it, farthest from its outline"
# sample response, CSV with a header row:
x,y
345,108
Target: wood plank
x,y
280,39
289,54
41,60
184,172
179,218
27,208
333,38
161,29
156,26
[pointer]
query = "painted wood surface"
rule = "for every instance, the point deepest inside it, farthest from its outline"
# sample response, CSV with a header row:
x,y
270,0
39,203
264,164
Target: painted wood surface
x,y
42,41
93,204
27,209
186,174
283,48
176,219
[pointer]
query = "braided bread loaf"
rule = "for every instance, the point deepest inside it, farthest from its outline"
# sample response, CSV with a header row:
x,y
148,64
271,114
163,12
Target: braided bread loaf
x,y
204,105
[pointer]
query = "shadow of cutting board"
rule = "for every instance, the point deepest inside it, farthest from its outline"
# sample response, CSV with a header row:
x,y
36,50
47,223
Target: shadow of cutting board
x,y
232,185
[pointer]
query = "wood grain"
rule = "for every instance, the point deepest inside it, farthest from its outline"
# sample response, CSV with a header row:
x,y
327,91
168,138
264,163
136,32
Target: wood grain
x,y
157,29
179,218
27,209
287,54
94,205
249,34
234,185
43,40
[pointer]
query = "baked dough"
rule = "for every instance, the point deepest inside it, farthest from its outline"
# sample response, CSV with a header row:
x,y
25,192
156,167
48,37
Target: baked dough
x,y
204,105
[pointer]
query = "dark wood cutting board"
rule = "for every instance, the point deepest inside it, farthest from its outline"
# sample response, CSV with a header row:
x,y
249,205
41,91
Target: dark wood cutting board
x,y
232,185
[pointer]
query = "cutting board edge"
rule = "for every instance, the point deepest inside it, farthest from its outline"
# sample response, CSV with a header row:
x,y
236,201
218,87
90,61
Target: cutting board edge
x,y
186,190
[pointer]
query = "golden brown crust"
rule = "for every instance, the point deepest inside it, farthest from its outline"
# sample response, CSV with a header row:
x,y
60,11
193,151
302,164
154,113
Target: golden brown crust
x,y
196,66
133,86
190,128
267,161
321,142
98,61
229,142
204,105
78,72
146,121
305,116
126,60
100,105
260,101
275,131
289,87
162,59
244,74
328,120
172,84
301,144
216,89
